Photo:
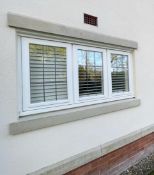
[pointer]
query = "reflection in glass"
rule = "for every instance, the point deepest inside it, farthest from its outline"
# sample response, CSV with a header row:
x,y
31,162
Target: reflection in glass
x,y
120,76
48,73
90,69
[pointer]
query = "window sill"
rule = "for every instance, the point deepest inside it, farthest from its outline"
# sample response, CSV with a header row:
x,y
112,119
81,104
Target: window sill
x,y
39,121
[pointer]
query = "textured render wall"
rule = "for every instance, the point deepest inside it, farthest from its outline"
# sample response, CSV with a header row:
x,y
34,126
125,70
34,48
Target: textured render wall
x,y
127,19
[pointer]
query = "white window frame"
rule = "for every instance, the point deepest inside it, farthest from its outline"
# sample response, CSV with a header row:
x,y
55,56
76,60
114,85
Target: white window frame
x,y
119,95
72,78
26,75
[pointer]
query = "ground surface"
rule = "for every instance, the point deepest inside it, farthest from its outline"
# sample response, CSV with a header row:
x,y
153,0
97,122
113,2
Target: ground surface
x,y
143,167
152,173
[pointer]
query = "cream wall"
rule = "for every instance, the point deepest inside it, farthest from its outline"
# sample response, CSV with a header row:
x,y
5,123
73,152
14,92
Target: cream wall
x,y
127,19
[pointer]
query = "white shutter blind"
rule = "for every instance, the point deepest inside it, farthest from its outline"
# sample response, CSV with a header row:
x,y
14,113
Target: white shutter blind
x,y
90,68
120,73
48,73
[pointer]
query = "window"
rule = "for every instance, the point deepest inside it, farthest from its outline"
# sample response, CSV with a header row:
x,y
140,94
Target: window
x,y
120,77
48,79
121,73
46,74
59,75
90,69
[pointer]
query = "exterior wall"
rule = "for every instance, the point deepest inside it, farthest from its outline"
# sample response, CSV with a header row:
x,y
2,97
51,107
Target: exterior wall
x,y
129,19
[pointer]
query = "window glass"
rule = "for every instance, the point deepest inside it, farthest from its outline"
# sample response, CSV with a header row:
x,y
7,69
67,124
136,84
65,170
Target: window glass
x,y
48,73
120,74
90,69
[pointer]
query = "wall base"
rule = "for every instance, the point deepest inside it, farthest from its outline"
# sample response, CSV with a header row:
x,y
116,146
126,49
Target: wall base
x,y
119,160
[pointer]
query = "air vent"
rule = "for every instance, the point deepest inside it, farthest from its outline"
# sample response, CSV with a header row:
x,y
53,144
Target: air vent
x,y
89,19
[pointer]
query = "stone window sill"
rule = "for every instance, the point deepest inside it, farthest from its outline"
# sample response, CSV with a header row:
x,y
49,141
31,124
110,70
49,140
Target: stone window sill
x,y
39,121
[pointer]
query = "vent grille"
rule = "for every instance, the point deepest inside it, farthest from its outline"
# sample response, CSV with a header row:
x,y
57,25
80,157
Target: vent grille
x,y
89,19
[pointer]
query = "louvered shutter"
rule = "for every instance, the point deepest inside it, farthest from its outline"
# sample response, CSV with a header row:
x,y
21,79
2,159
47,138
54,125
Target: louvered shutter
x,y
90,70
120,73
48,73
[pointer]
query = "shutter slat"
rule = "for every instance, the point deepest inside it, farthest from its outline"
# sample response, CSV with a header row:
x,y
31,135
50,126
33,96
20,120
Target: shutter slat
x,y
120,77
48,73
90,72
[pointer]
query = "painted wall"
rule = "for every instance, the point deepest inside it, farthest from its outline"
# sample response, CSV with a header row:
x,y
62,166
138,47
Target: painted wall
x,y
127,19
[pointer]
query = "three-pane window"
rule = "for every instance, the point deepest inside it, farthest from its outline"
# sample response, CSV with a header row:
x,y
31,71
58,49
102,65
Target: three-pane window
x,y
59,75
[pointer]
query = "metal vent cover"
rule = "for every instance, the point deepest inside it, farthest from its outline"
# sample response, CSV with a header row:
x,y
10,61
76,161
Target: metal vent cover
x,y
89,19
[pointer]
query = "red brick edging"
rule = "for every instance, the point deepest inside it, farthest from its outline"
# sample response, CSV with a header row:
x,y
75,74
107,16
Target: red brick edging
x,y
110,160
